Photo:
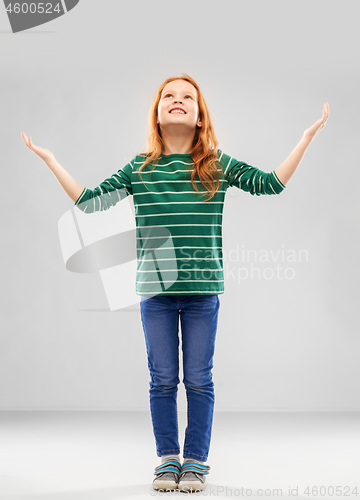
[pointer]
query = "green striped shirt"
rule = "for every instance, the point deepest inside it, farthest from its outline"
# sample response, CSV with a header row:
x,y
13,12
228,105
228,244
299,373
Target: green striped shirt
x,y
178,233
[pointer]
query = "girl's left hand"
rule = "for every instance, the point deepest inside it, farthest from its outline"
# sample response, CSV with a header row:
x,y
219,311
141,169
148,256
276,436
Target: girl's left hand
x,y
320,124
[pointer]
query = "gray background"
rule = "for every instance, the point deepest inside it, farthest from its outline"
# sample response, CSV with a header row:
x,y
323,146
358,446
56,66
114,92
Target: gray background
x,y
82,86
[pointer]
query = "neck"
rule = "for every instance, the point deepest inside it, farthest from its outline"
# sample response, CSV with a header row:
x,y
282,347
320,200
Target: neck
x,y
176,143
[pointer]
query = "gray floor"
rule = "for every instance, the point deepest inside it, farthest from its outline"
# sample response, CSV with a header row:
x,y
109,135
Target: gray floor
x,y
111,455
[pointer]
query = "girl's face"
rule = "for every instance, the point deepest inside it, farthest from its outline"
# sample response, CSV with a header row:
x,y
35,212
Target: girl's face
x,y
178,94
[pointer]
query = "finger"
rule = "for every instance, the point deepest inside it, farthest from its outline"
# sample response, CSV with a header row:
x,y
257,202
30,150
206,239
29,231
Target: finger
x,y
25,138
327,109
31,144
325,114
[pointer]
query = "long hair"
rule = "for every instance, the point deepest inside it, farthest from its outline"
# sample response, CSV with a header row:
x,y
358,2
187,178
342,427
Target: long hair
x,y
204,148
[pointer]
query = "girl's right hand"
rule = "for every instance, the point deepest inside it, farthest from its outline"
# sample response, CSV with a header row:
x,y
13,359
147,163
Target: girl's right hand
x,y
44,154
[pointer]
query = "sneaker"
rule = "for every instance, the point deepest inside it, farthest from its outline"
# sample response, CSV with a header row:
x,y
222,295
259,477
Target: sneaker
x,y
192,476
167,475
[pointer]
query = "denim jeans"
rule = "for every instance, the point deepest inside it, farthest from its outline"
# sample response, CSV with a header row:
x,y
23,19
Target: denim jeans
x,y
160,319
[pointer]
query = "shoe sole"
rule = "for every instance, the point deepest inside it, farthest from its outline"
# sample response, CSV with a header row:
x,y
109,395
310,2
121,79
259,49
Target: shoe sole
x,y
165,485
194,485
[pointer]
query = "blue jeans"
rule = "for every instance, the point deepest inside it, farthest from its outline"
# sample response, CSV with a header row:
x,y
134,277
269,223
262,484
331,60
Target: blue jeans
x,y
160,318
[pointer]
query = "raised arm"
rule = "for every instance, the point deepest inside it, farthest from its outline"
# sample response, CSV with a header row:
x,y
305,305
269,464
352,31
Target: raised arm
x,y
70,185
107,194
288,167
249,178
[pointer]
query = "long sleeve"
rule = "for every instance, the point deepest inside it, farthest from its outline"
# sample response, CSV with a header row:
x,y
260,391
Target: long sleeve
x,y
108,193
249,178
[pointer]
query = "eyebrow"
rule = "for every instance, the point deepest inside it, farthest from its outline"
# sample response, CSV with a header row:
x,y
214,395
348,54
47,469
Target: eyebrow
x,y
171,92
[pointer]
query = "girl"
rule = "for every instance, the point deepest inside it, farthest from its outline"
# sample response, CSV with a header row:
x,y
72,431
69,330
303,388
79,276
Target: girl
x,y
178,209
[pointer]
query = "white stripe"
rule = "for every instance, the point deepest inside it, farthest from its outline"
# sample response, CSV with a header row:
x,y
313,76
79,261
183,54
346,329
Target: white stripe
x,y
181,236
82,194
177,225
172,192
166,164
172,270
278,180
180,213
151,260
167,248
180,203
161,172
181,281
225,172
273,189
185,292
